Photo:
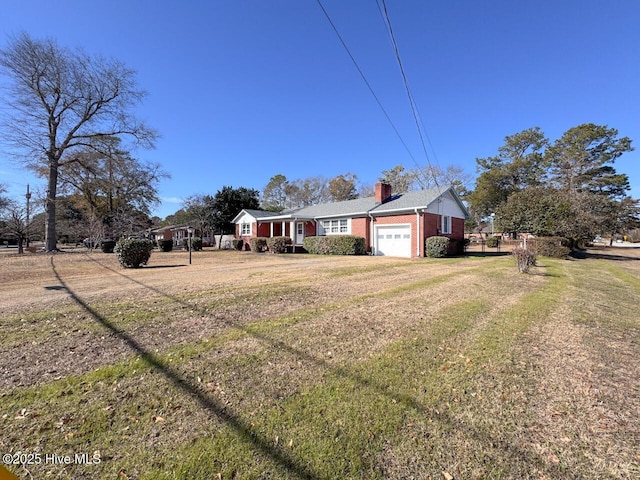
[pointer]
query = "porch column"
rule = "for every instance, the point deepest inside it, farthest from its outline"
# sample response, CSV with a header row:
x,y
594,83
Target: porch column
x,y
271,227
284,228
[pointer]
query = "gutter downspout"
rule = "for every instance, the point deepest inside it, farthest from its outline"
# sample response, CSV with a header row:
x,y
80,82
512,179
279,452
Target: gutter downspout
x,y
374,247
417,232
294,232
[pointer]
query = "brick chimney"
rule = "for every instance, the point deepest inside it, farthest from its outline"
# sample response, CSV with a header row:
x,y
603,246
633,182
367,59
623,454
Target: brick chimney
x,y
383,192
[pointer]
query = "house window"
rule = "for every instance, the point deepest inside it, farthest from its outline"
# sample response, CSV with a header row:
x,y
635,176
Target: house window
x,y
446,224
245,229
335,226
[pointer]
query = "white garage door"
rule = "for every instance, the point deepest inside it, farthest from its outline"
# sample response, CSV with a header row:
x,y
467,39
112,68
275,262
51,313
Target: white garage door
x,y
393,240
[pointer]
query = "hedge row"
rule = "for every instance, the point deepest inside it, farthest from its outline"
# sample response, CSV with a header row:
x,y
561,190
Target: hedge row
x,y
556,247
271,244
335,245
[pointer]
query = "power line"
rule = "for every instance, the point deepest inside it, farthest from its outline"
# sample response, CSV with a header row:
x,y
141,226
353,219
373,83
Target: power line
x,y
414,109
364,78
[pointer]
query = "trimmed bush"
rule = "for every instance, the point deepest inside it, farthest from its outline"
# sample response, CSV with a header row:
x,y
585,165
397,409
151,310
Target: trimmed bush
x,y
237,243
278,244
493,242
556,247
436,247
314,245
525,258
335,245
166,245
196,244
107,246
258,244
133,252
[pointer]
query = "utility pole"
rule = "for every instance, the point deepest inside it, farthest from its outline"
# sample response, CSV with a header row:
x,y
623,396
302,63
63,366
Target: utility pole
x,y
28,196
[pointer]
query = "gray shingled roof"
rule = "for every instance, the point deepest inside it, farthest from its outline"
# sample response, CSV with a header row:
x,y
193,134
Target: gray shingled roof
x,y
260,213
337,209
408,201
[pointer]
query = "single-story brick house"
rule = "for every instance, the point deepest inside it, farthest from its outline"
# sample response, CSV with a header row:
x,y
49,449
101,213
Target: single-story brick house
x,y
178,233
395,225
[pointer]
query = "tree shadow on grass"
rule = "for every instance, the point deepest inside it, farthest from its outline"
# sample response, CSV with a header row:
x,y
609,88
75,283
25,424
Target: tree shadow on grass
x,y
147,267
190,388
486,254
607,255
244,428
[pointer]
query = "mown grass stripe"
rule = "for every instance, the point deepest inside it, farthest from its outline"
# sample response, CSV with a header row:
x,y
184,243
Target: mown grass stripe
x,y
622,275
339,427
334,426
184,353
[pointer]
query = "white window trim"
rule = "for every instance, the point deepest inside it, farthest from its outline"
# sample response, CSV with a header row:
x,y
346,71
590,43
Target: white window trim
x,y
336,226
445,225
245,229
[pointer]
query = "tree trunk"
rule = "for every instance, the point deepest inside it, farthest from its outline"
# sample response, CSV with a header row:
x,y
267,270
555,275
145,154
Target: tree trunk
x,y
50,235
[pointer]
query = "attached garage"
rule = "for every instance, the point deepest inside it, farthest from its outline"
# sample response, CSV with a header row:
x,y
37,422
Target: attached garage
x,y
393,240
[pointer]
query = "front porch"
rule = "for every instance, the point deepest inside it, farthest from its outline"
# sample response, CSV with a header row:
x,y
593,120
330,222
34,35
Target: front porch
x,y
296,229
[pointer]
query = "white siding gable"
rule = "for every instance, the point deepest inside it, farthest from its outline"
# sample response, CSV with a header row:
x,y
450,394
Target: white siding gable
x,y
446,206
246,218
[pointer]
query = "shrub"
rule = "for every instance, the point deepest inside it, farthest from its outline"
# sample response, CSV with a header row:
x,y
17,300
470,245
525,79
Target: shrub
x,y
436,247
525,258
166,245
258,244
133,252
556,247
493,242
196,244
312,245
237,244
278,244
457,246
335,245
107,246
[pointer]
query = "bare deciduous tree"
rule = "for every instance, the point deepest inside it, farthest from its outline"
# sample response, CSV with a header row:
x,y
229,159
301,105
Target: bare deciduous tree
x,y
59,99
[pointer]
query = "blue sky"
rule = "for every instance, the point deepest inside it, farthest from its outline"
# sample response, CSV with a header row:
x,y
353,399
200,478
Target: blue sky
x,y
241,90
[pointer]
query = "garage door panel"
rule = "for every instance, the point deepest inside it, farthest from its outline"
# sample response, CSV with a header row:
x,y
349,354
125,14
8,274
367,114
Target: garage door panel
x,y
393,240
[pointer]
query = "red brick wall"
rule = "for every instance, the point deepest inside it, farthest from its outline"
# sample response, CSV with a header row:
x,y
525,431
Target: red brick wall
x,y
457,228
361,228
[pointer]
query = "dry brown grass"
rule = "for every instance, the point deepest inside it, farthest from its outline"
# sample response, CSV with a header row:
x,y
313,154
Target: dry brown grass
x,y
322,367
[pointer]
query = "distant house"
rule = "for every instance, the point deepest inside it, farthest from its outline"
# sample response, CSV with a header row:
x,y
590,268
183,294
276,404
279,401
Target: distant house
x,y
178,233
395,225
